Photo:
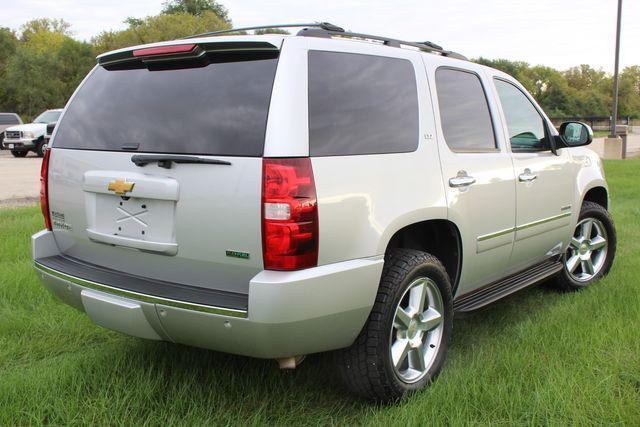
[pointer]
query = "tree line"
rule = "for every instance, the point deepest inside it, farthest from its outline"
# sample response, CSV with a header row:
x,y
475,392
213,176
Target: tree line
x,y
41,64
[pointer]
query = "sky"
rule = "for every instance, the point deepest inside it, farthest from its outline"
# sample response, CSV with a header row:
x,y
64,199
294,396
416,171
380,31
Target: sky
x,y
557,33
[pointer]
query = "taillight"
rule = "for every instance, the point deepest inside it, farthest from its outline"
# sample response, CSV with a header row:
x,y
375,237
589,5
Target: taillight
x,y
164,50
289,214
44,189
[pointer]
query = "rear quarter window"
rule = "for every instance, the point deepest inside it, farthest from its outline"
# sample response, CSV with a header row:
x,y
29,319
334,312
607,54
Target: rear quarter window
x,y
361,104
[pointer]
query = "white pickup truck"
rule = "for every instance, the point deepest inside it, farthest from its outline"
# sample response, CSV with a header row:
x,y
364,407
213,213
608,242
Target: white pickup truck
x,y
21,139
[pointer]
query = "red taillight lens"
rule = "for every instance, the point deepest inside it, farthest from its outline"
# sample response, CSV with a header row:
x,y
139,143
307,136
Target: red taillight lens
x,y
164,50
289,214
44,188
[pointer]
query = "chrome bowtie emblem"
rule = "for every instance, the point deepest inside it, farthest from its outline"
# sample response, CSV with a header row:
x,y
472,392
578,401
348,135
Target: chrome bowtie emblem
x,y
120,187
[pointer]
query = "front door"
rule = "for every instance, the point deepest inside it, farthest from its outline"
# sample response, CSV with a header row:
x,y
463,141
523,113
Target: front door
x,y
478,175
544,183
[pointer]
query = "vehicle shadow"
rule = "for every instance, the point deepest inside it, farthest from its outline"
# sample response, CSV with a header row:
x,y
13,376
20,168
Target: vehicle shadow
x,y
242,385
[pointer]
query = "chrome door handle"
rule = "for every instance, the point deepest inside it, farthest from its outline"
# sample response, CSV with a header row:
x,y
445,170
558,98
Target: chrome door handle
x,y
527,176
461,180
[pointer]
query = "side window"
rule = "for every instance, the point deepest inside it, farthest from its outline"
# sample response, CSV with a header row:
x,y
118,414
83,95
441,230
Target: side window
x,y
361,104
464,112
526,126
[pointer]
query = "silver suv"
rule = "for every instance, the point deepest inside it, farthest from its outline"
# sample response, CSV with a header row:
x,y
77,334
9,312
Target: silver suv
x,y
275,196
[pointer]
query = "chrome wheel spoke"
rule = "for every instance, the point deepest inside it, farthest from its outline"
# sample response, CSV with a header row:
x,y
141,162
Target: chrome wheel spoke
x,y
402,319
587,266
585,230
417,297
430,319
575,243
399,351
598,242
572,263
416,358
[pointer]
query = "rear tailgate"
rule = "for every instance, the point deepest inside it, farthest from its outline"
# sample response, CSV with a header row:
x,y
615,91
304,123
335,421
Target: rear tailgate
x,y
190,213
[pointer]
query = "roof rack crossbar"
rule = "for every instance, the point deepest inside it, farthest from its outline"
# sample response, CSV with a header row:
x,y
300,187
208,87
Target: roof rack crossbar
x,y
322,25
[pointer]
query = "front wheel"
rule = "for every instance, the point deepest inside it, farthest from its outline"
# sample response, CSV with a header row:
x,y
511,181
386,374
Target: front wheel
x,y
591,251
404,343
41,147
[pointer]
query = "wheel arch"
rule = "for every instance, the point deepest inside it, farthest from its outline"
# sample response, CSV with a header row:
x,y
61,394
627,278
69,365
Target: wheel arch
x,y
438,237
597,194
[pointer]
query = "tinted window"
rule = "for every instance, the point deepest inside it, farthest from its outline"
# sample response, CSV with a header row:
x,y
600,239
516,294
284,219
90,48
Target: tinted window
x,y
526,127
464,112
9,119
361,104
219,109
48,117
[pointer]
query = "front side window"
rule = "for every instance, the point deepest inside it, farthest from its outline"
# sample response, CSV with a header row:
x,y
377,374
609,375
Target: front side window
x,y
526,126
361,104
464,112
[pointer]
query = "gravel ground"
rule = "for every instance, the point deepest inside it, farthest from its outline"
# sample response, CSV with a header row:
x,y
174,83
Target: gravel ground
x,y
19,179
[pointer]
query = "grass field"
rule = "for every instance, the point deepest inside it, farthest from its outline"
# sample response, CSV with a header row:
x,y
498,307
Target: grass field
x,y
538,357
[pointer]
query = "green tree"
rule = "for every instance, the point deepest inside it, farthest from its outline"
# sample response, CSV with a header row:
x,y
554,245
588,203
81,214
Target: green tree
x,y
8,46
45,68
44,25
196,7
159,28
271,31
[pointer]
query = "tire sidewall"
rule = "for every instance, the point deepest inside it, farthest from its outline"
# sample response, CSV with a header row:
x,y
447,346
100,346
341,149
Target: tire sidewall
x,y
439,277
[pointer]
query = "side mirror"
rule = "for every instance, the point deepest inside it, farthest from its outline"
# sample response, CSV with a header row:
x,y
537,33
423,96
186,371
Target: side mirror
x,y
575,134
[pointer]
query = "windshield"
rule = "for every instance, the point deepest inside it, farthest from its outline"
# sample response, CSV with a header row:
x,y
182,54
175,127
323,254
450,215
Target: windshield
x,y
218,109
48,117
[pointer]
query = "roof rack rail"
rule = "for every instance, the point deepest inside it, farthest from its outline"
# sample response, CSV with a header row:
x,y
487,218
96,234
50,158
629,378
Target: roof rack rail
x,y
328,30
321,25
423,46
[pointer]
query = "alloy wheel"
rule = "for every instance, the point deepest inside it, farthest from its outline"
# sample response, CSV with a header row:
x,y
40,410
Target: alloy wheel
x,y
417,330
587,251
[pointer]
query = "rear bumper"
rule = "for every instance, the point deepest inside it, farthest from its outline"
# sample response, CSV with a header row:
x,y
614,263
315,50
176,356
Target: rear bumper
x,y
287,313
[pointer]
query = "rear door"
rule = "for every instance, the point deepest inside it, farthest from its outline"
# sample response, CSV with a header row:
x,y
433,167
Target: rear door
x,y
478,173
156,167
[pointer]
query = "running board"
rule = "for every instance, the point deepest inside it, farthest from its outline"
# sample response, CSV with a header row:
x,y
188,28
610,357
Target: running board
x,y
502,288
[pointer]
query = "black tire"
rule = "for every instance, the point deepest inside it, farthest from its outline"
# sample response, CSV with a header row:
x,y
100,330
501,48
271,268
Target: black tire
x,y
366,367
564,281
19,153
40,147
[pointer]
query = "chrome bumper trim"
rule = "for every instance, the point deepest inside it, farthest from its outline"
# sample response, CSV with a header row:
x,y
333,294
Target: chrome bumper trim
x,y
141,297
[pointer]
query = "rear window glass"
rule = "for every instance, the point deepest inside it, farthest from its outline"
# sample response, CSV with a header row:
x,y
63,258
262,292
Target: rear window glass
x,y
361,104
9,119
218,109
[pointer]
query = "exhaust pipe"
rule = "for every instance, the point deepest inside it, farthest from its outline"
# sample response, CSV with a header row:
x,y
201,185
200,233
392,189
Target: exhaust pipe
x,y
290,362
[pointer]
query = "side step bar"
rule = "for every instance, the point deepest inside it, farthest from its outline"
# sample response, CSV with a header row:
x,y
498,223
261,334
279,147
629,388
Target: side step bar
x,y
502,288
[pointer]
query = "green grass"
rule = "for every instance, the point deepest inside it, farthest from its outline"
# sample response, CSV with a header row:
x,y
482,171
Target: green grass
x,y
600,133
538,357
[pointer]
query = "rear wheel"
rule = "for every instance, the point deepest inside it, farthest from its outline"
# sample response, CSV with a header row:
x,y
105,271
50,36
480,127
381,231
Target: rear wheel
x,y
591,251
19,153
404,343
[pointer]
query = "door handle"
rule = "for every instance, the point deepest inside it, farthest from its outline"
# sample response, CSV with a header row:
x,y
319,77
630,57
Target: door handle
x,y
461,180
527,176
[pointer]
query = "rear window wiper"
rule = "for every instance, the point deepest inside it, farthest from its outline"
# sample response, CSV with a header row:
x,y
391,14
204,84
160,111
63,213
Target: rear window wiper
x,y
165,161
